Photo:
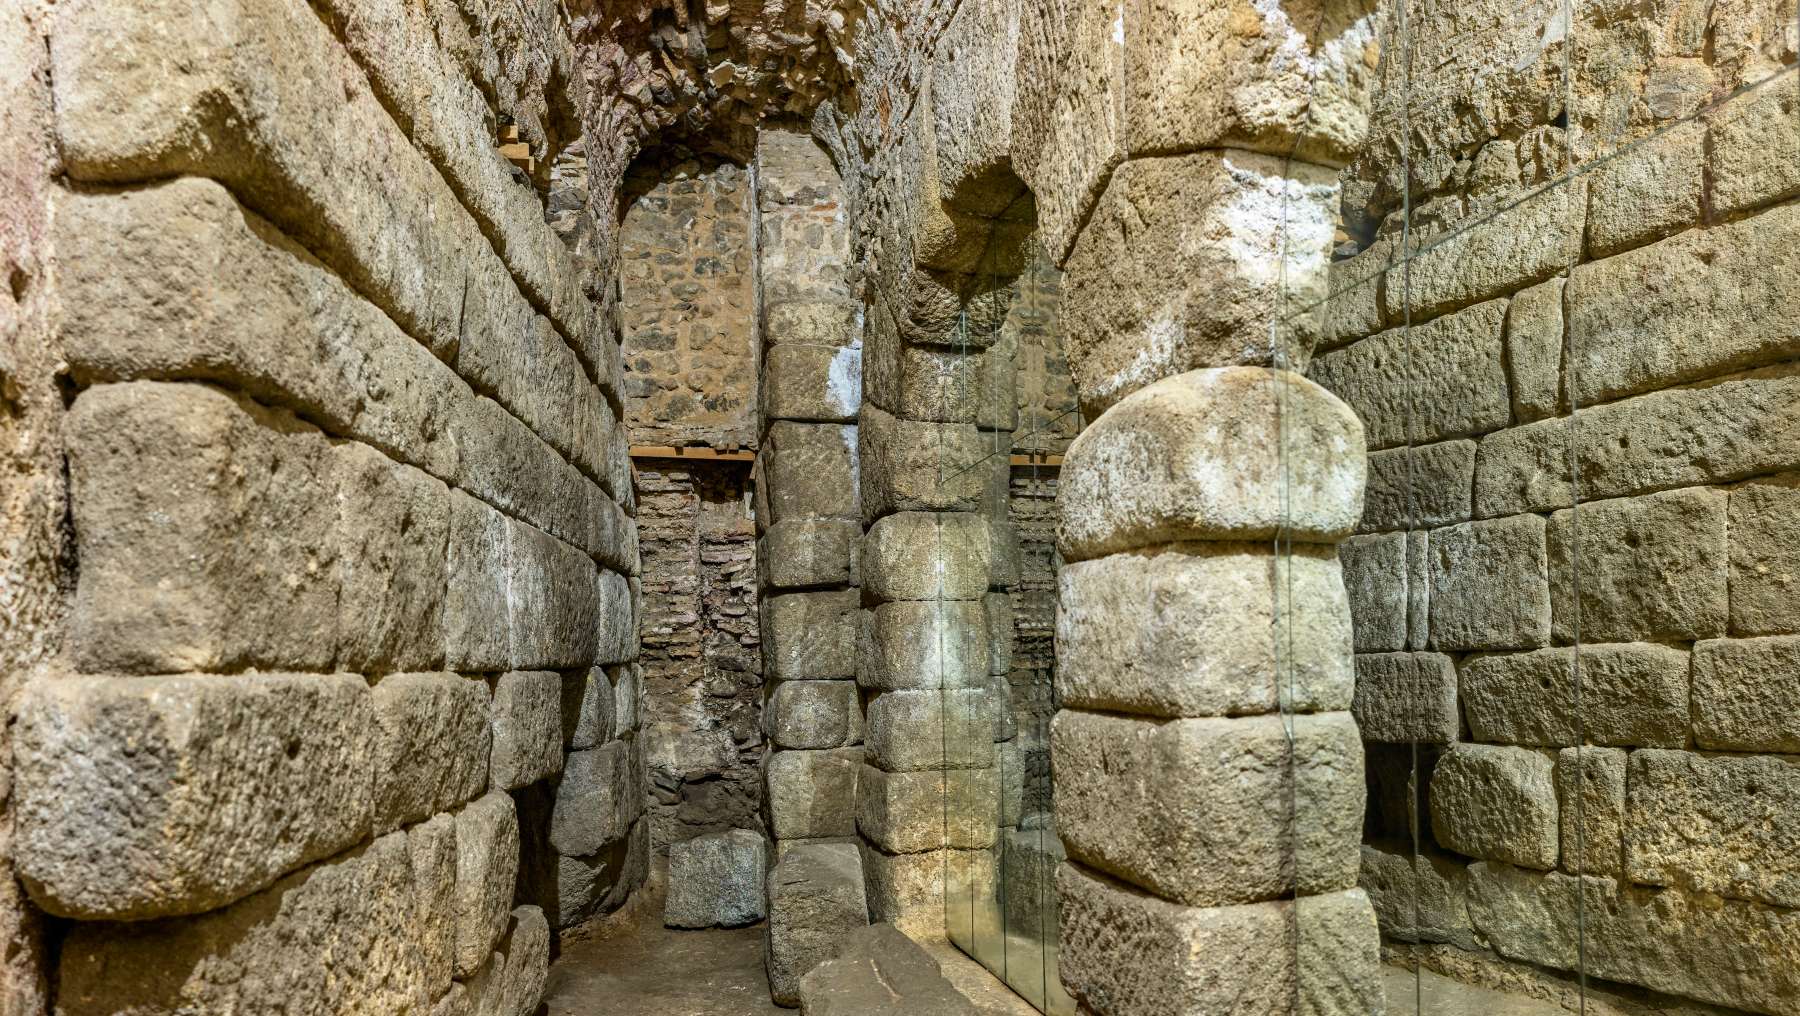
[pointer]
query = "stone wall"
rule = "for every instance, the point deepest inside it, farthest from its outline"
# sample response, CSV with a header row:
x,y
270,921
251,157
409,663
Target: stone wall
x,y
1580,405
329,692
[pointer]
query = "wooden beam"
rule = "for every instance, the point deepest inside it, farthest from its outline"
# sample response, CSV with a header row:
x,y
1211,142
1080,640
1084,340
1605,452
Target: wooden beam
x,y
697,452
1038,459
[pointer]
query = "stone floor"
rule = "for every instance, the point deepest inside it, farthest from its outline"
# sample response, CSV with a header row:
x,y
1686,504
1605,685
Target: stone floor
x,y
650,969
1437,995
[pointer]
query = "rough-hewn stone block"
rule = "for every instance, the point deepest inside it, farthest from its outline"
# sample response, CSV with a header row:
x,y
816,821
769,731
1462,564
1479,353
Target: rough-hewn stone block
x,y
1384,579
809,636
997,611
908,890
392,524
815,898
431,745
589,710
477,609
811,794
1520,245
487,862
1417,901
926,556
144,797
1724,824
1648,191
1590,785
810,470
1233,453
1204,648
1497,803
910,465
800,553
921,382
1130,951
813,714
527,728
598,797
1633,694
1534,352
1181,807
1489,585
879,971
1747,694
822,384
1406,698
716,880
1416,488
558,603
908,813
1763,528
830,323
1647,568
431,847
950,728
507,465
1750,158
924,644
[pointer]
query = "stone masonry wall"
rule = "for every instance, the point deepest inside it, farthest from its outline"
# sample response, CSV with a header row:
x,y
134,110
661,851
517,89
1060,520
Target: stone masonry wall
x,y
1589,433
330,705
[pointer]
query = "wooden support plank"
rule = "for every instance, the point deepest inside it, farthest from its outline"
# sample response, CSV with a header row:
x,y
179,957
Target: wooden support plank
x,y
691,453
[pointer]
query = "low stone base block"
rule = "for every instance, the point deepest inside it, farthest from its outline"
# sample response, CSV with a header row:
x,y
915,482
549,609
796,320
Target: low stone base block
x,y
716,880
816,899
881,972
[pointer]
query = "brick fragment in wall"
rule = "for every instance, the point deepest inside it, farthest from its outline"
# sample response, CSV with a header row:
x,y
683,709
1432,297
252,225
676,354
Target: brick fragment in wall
x,y
487,862
914,812
809,635
1196,230
1441,379
809,471
1724,951
1125,947
1534,352
1633,694
910,465
121,787
950,728
432,745
1590,788
909,890
1489,585
813,714
1647,192
527,728
810,794
1150,471
1711,432
431,849
1425,901
355,911
822,384
803,553
926,556
814,322
923,644
599,796
1180,807
1722,824
1746,696
1389,601
1520,245
1647,568
1497,803
1420,487
1406,698
1750,159
1206,648
1763,530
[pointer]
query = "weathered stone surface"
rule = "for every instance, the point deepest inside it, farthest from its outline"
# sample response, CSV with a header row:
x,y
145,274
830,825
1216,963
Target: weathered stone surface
x,y
913,812
1750,160
809,636
503,462
1442,379
1497,803
1489,585
1204,649
878,971
354,915
912,466
487,862
1723,951
1417,901
950,728
815,900
799,553
813,714
1131,952
810,322
1172,274
616,616
822,384
599,796
1647,568
145,797
1723,824
716,880
1389,597
1534,352
207,528
908,890
527,951
1649,191
392,523
590,710
1415,488
1004,552
477,612
527,728
1517,246
924,644
1590,784
1406,698
1633,694
810,470
560,606
1747,694
810,794
1182,807
921,382
431,847
1228,453
997,610
1028,863
1763,527
926,556
431,745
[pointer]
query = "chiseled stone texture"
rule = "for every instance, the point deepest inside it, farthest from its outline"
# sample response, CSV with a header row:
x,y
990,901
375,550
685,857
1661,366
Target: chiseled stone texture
x,y
154,796
1763,533
527,726
1426,901
822,384
1648,191
600,793
1647,568
811,794
809,636
1185,630
1633,694
1534,353
1590,784
950,728
809,471
913,465
1489,585
432,849
813,714
908,890
879,971
716,880
1723,824
1197,811
1123,950
1750,160
431,745
487,862
1497,803
802,553
815,898
1747,694
1419,487
1406,698
914,812
1224,453
924,644
1385,578
926,556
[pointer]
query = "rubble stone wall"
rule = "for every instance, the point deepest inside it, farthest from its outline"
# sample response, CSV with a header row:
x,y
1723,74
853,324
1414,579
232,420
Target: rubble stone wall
x,y
1588,434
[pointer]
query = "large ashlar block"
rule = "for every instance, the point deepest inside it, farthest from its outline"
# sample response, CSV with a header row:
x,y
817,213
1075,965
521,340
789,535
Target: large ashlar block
x,y
1633,694
1406,698
1184,630
920,382
392,524
1648,191
830,323
600,794
1437,380
1497,803
208,532
487,864
813,714
821,384
1747,694
811,794
1724,951
910,465
1182,264
1750,159
1422,902
1763,526
527,728
477,607
590,709
505,464
431,847
356,915
1413,488
1590,784
1722,824
1390,597
1232,453
1128,951
804,553
910,891
997,610
1535,336
431,745
1697,305
913,812
810,470
810,636
816,897
153,796
924,644
952,310
718,880
1489,585
1647,568
926,556
1519,246
1182,807
561,608
951,728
